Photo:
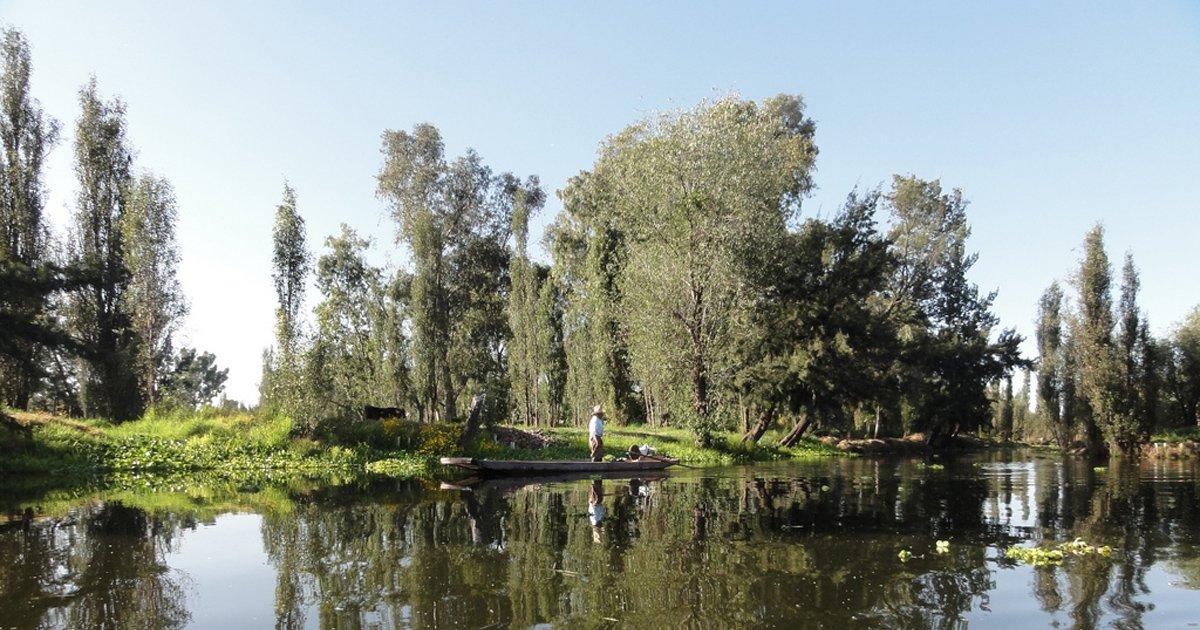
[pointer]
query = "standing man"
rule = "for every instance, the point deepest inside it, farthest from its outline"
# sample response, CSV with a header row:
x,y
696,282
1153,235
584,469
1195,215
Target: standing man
x,y
596,433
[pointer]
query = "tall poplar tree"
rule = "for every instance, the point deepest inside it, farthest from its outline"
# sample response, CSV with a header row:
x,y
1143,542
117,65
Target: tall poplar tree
x,y
99,315
1051,364
291,264
524,355
154,300
26,135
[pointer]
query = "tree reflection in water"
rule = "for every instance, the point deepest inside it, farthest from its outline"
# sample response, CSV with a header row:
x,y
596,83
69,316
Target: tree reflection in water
x,y
798,545
101,567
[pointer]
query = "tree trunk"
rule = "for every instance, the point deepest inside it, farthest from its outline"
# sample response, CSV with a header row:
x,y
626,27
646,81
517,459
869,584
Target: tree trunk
x,y
798,432
448,391
754,434
878,422
471,428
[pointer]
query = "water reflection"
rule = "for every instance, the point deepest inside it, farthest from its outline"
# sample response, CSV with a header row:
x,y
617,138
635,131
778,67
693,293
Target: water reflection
x,y
796,545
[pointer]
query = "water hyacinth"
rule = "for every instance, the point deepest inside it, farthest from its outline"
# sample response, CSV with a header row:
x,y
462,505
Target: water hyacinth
x,y
1045,556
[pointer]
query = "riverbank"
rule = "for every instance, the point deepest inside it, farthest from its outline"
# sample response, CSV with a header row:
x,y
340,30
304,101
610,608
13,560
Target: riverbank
x,y
239,445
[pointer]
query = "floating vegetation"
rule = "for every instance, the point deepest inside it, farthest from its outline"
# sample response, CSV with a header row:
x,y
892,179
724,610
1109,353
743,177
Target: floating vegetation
x,y
942,546
904,555
1045,556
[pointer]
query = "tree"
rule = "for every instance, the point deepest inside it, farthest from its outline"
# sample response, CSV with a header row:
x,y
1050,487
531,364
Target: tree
x,y
154,299
359,333
1052,364
1006,410
524,357
589,248
455,218
819,344
99,316
1108,362
946,321
193,379
26,136
1183,369
291,264
699,192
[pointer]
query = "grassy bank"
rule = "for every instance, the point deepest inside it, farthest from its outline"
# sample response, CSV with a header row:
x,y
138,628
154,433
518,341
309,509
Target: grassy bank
x,y
257,447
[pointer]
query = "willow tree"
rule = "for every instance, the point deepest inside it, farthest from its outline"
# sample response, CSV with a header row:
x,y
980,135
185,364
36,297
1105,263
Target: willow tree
x,y
26,135
99,316
154,300
588,243
698,193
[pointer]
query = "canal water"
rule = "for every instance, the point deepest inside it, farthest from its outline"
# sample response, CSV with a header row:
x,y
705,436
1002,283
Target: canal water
x,y
811,544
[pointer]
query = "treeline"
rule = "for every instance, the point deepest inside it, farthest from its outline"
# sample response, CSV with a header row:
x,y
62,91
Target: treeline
x,y
88,317
685,289
1103,378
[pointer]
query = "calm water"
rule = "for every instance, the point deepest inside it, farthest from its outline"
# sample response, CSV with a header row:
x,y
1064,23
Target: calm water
x,y
796,545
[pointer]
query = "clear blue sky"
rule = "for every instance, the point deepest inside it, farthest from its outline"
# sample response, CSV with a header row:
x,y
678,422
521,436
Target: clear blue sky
x,y
1050,116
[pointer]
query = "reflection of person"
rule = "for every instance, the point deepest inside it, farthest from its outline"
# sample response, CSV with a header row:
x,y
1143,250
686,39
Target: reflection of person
x,y
596,508
596,433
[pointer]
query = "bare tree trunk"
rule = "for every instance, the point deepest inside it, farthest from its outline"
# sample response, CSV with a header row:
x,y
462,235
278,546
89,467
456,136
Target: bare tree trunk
x,y
755,433
447,390
878,422
471,428
798,432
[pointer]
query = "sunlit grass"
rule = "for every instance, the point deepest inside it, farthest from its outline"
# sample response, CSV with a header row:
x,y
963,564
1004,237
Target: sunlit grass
x,y
571,443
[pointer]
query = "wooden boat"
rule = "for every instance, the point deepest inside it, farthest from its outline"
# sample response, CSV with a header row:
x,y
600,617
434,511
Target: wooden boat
x,y
509,483
545,467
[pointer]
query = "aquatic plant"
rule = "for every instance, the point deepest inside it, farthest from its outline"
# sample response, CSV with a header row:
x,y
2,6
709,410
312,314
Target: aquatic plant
x,y
1045,556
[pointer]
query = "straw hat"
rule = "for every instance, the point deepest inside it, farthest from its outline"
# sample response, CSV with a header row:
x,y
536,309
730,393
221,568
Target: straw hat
x,y
598,410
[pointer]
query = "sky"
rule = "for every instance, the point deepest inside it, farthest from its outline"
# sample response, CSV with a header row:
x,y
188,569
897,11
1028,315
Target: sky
x,y
1050,117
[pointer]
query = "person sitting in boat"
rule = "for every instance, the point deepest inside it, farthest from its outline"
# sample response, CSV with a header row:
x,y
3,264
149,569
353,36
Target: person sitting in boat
x,y
596,433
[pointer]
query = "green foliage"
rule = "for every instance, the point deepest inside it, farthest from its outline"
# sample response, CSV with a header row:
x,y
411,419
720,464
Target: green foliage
x,y
154,299
455,218
193,379
26,136
99,317
1182,374
1048,556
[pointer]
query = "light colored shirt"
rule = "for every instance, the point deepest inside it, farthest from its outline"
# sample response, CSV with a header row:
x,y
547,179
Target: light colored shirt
x,y
596,426
596,513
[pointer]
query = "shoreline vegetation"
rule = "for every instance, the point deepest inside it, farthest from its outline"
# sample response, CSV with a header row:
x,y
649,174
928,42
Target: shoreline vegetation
x,y
685,286
246,445
248,448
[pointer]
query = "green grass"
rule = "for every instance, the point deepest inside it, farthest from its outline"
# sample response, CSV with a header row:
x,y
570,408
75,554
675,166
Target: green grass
x,y
250,448
1189,434
571,443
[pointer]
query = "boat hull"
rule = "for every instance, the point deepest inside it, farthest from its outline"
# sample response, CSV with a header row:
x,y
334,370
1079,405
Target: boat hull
x,y
546,467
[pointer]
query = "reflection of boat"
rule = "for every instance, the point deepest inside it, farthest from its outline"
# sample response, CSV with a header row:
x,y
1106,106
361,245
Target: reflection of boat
x,y
513,482
543,467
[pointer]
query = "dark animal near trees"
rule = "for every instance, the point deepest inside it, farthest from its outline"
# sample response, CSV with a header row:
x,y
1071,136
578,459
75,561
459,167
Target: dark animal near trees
x,y
382,413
